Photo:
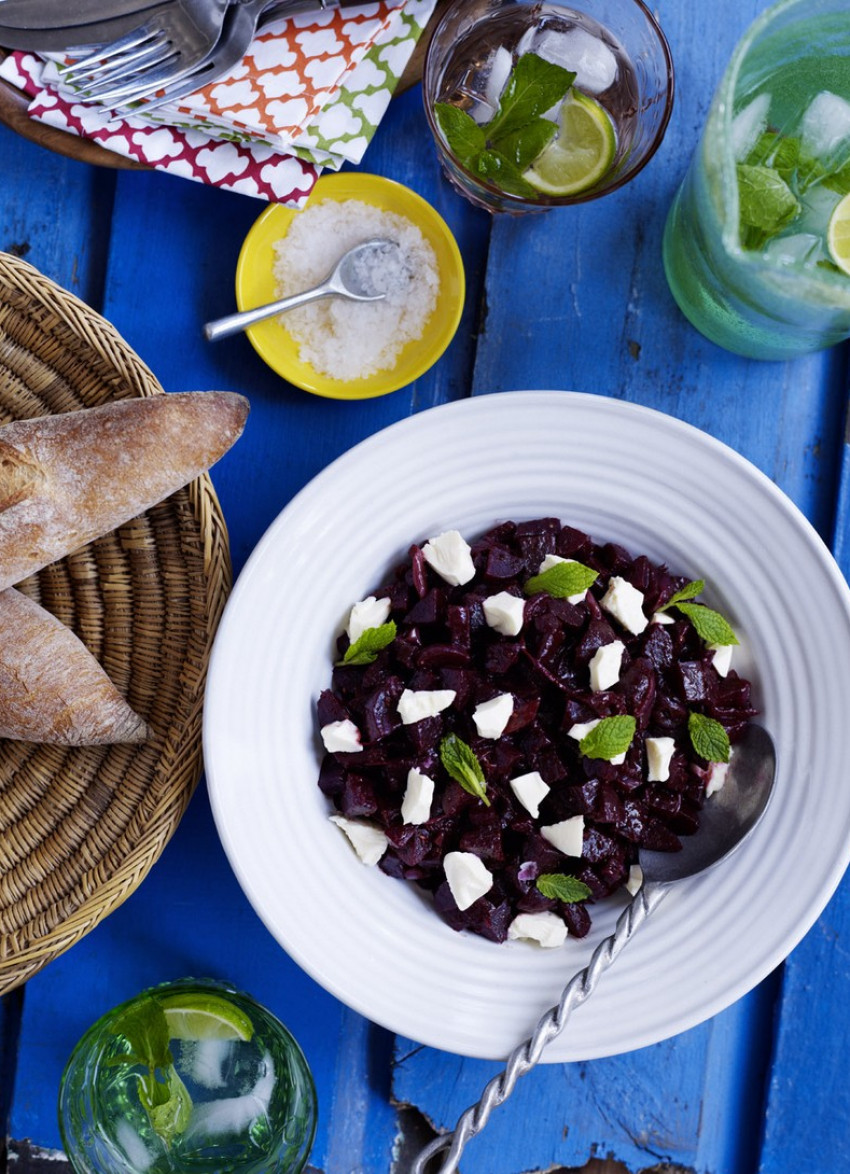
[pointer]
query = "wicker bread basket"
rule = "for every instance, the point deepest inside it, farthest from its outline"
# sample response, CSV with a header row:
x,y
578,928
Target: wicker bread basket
x,y
80,828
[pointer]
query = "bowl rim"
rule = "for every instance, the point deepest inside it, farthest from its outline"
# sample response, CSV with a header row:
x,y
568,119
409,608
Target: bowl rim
x,y
265,337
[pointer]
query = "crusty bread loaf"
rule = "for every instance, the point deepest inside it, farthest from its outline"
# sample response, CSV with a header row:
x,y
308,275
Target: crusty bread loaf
x,y
66,480
51,687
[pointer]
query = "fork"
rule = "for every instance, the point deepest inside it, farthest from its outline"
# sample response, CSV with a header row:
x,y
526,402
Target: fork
x,y
170,40
151,86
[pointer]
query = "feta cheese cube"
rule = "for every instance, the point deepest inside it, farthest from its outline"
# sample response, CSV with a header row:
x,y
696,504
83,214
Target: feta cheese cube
x,y
530,790
368,613
546,928
341,737
416,805
579,729
717,778
368,841
722,659
662,617
451,557
504,612
625,603
415,705
492,716
468,877
552,560
605,665
659,755
635,879
567,836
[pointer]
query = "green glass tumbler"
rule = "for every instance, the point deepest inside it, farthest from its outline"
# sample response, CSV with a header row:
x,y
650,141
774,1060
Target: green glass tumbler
x,y
746,241
190,1077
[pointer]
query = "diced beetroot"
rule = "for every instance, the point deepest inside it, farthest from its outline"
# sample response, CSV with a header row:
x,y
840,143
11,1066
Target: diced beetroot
x,y
430,609
330,709
359,797
577,918
501,564
444,642
420,571
381,710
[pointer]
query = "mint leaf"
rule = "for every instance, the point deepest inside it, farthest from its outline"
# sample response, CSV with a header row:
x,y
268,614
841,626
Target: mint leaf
x,y
145,1029
366,647
710,624
170,1117
708,738
785,154
612,736
560,887
839,181
766,204
493,165
461,763
534,86
523,146
463,134
562,580
687,592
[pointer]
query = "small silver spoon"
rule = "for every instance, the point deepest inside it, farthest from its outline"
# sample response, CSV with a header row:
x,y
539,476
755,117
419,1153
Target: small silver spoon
x,y
345,280
726,820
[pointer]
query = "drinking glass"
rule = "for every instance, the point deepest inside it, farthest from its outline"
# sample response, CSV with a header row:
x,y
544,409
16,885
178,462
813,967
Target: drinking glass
x,y
192,1077
782,109
616,48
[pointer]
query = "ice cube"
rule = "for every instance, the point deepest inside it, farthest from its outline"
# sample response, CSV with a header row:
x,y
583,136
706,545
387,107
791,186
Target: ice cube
x,y
484,86
593,62
747,125
825,126
800,248
231,1116
203,1060
817,204
138,1155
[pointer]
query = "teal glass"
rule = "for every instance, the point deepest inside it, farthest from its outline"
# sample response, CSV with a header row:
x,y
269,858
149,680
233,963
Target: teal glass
x,y
229,1105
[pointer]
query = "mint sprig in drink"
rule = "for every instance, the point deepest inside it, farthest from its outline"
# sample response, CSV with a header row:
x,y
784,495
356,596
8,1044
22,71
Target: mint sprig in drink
x,y
753,247
189,1076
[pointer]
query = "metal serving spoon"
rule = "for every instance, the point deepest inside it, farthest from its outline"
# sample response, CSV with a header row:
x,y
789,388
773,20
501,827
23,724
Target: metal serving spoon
x,y
726,820
347,279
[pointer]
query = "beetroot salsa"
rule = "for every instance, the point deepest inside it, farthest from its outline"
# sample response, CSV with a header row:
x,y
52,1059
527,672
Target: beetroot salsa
x,y
510,721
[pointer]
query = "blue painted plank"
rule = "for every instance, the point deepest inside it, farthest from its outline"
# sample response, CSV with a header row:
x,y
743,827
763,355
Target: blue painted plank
x,y
809,1095
55,213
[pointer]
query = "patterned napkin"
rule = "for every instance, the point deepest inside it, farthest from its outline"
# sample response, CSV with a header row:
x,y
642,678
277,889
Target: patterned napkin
x,y
309,93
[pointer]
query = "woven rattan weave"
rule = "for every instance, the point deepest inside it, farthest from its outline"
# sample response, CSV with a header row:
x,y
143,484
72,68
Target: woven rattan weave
x,y
80,828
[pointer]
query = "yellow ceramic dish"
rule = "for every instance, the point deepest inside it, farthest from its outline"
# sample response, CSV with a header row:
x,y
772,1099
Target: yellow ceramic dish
x,y
255,285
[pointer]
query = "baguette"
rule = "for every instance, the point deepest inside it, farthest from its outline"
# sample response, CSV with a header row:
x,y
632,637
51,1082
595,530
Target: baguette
x,y
68,479
51,687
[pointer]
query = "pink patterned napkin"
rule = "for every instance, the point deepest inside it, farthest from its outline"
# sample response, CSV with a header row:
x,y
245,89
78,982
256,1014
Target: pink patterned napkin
x,y
236,132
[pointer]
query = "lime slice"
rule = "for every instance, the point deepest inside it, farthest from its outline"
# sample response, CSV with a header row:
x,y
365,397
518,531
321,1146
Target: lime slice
x,y
195,1017
581,152
838,235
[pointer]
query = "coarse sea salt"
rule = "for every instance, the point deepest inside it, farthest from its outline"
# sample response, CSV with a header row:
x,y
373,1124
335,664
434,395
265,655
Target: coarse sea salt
x,y
352,340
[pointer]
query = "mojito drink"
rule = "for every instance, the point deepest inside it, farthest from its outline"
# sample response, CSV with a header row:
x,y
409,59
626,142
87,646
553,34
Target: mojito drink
x,y
190,1076
536,104
756,243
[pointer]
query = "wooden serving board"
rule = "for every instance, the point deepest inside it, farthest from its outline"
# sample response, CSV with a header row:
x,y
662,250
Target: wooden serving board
x,y
13,112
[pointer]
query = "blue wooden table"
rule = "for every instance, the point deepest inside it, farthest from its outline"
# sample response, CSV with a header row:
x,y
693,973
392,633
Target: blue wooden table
x,y
577,300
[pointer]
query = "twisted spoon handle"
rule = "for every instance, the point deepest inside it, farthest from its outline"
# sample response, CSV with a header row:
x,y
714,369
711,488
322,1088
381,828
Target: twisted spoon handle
x,y
526,1055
